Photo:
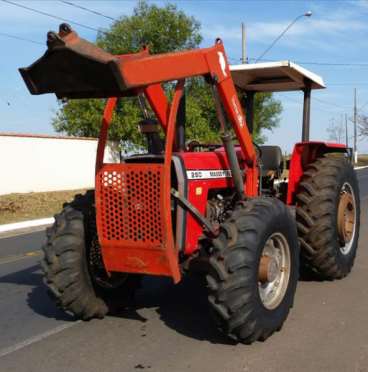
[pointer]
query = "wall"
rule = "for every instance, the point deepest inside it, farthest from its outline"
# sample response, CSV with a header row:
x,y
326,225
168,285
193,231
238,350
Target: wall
x,y
44,163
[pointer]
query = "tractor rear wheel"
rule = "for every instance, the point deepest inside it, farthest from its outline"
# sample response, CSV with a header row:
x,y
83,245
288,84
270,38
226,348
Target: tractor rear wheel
x,y
254,269
72,263
328,217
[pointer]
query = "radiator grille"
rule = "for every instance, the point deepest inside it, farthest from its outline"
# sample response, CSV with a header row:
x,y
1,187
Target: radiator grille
x,y
129,196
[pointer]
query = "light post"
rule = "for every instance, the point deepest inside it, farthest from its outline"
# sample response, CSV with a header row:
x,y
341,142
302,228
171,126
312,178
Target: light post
x,y
307,14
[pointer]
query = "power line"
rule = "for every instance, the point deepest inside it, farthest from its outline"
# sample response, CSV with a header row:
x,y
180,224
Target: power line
x,y
319,100
236,60
347,83
232,59
88,10
95,29
334,64
313,98
318,63
362,106
329,103
118,37
21,38
288,98
101,14
49,15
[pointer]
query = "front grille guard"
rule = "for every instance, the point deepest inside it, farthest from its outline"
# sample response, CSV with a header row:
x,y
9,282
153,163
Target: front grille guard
x,y
133,207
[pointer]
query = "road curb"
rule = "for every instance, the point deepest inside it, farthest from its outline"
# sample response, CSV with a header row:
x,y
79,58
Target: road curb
x,y
361,167
26,224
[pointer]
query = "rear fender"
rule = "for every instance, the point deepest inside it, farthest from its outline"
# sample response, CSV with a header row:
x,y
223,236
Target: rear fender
x,y
303,154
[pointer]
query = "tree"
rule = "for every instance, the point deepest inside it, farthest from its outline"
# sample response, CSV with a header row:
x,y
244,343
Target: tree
x,y
163,29
363,125
335,131
267,112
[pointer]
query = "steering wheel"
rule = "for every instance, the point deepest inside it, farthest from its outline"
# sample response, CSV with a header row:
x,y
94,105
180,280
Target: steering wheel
x,y
191,145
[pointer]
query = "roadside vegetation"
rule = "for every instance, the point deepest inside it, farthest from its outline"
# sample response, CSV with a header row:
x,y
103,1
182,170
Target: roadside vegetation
x,y
362,160
23,207
162,29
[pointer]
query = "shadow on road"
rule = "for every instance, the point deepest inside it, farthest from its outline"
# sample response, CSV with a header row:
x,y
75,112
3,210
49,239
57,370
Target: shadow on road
x,y
37,298
307,275
182,307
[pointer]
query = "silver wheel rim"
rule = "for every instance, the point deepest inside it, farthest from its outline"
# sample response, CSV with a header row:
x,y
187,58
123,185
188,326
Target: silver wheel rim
x,y
274,271
346,242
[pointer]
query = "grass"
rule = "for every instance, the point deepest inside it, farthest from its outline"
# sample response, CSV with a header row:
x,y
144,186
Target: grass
x,y
23,207
362,160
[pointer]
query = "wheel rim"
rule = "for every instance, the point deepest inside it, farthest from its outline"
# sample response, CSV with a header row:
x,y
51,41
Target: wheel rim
x,y
346,218
274,271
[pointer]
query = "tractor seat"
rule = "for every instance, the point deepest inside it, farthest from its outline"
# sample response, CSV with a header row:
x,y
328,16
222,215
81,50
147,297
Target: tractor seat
x,y
271,159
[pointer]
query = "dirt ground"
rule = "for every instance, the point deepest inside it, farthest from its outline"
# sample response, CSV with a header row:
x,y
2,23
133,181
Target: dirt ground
x,y
22,207
362,160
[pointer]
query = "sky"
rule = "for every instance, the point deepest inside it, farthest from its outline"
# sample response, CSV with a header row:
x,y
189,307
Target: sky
x,y
332,43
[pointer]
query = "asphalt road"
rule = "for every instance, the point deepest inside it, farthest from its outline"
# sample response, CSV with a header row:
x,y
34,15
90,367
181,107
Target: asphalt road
x,y
170,330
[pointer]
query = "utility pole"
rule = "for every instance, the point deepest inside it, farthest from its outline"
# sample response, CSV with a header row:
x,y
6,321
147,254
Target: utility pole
x,y
355,128
346,131
244,44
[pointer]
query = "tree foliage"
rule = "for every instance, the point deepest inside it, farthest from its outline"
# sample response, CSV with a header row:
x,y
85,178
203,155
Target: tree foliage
x,y
163,29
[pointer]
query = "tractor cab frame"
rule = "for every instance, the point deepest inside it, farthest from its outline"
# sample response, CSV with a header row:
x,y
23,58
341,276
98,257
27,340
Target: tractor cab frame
x,y
285,76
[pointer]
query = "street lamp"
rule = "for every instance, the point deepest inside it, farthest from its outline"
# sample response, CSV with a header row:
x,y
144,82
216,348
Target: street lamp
x,y
307,14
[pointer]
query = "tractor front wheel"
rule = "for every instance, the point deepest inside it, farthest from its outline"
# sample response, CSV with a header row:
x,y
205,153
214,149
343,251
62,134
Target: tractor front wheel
x,y
254,268
73,267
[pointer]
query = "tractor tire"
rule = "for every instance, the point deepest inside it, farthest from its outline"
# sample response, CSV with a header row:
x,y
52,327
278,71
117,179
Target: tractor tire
x,y
72,263
328,218
254,270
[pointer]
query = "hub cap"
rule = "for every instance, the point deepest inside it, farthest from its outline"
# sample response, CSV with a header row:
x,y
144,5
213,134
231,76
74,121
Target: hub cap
x,y
274,271
346,218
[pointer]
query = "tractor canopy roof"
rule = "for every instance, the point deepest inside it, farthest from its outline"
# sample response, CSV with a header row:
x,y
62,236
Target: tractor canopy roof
x,y
274,77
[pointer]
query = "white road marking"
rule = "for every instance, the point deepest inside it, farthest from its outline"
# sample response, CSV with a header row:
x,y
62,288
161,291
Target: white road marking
x,y
26,224
32,340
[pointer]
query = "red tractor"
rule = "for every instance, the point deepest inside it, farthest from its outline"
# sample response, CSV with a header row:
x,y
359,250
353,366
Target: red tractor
x,y
221,210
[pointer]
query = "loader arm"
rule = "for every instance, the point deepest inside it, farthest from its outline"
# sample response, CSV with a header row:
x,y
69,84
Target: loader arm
x,y
70,66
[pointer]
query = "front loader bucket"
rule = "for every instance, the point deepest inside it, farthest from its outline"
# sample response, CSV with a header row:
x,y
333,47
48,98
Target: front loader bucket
x,y
75,68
